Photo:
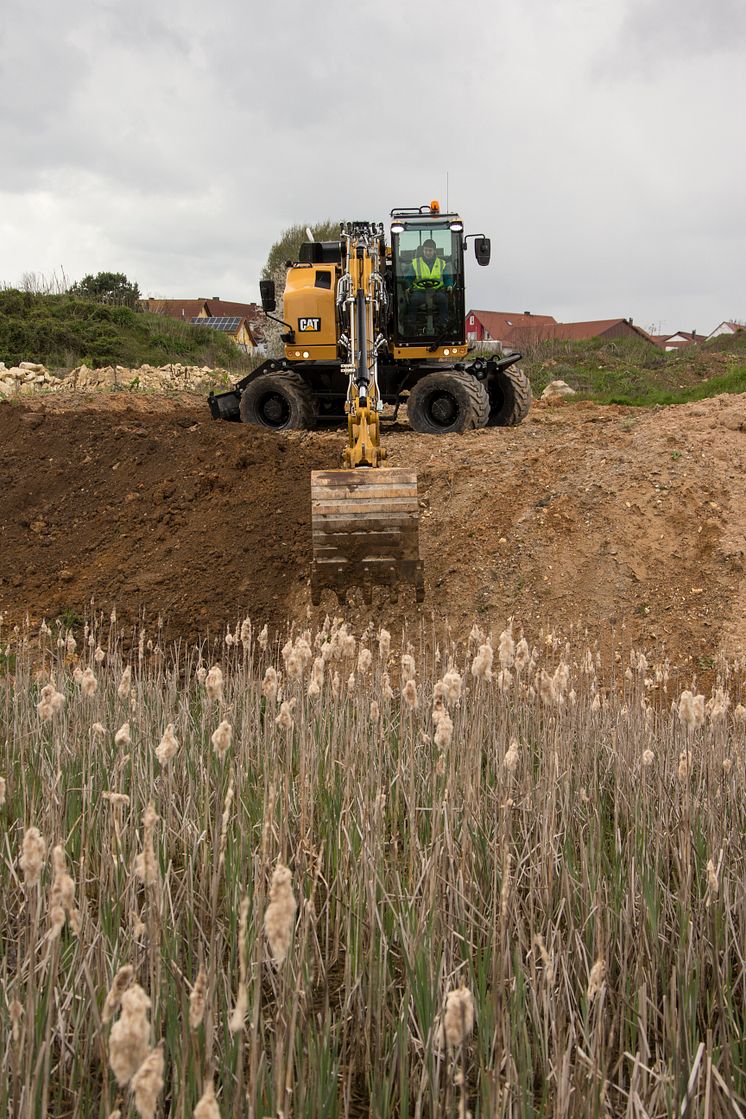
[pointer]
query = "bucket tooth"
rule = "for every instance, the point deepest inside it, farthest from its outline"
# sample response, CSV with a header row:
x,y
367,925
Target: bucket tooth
x,y
365,531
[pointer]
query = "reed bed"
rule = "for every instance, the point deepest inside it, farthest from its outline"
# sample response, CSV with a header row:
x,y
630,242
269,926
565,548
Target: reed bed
x,y
329,877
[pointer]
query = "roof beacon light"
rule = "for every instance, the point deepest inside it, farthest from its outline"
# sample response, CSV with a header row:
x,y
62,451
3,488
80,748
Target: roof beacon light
x,y
434,207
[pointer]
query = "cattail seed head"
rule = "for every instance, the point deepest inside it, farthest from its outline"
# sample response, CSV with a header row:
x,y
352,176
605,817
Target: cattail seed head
x,y
61,895
444,731
88,683
168,745
506,649
2,791
685,766
407,668
122,737
712,879
222,738
147,1083
197,999
119,985
364,661
648,758
510,761
458,1018
207,1107
146,864
129,1041
384,644
409,692
270,684
32,856
453,684
545,959
597,979
214,683
481,666
125,683
375,711
279,918
285,718
50,702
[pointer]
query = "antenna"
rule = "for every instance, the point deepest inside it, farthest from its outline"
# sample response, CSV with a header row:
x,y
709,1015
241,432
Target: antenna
x,y
448,209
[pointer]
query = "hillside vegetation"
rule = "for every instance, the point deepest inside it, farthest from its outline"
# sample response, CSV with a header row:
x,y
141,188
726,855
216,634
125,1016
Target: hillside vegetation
x,y
62,331
631,371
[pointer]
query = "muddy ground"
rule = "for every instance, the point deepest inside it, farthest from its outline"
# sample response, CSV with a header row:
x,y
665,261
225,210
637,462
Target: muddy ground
x,y
585,518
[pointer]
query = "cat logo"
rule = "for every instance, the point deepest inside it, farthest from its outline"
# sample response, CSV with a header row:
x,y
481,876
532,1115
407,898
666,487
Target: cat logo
x,y
309,325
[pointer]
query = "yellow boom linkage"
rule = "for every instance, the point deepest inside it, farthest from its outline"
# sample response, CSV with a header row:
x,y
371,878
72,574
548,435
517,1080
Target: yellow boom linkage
x,y
364,517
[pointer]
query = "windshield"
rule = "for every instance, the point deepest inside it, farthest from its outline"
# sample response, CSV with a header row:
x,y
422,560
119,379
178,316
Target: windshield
x,y
428,276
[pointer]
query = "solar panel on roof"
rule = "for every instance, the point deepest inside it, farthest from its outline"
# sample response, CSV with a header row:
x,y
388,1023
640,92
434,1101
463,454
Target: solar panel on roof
x,y
227,323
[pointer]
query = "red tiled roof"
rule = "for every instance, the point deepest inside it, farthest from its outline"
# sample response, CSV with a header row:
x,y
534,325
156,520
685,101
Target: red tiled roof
x,y
498,324
186,309
578,331
227,307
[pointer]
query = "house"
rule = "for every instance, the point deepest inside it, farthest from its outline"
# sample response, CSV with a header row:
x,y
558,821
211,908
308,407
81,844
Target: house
x,y
727,328
498,326
241,321
680,340
512,330
184,309
599,328
236,327
249,311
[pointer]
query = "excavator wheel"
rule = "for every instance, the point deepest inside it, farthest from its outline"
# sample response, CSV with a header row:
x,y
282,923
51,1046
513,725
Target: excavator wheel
x,y
510,397
448,401
280,401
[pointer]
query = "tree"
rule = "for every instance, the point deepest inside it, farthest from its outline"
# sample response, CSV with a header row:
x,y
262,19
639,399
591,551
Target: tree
x,y
108,287
283,250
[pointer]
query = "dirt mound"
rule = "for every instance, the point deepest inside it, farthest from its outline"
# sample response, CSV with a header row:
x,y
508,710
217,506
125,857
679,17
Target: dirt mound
x,y
584,518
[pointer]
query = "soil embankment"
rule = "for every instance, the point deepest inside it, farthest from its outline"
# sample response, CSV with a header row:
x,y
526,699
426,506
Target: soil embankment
x,y
584,518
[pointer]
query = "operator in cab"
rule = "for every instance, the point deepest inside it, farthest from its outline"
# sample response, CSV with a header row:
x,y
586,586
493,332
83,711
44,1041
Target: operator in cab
x,y
429,275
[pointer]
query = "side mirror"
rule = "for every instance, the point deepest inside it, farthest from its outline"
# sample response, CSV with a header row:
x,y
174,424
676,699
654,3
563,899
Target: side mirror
x,y
482,250
267,292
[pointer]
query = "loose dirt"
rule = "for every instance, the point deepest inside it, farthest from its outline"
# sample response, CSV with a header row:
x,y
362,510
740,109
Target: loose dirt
x,y
586,518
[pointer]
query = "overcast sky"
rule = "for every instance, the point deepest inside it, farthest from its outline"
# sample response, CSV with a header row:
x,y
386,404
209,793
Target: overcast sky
x,y
600,145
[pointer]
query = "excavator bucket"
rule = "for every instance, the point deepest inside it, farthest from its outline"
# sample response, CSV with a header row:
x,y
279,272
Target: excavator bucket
x,y
365,531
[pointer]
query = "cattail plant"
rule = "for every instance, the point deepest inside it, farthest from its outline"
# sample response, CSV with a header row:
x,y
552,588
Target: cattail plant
x,y
279,918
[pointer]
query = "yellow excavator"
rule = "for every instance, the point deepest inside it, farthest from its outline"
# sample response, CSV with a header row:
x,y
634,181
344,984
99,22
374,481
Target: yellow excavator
x,y
369,325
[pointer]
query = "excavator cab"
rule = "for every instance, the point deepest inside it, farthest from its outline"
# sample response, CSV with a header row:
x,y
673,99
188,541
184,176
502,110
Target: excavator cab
x,y
428,273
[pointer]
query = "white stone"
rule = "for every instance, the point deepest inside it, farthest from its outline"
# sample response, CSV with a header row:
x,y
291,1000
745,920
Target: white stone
x,y
32,366
556,389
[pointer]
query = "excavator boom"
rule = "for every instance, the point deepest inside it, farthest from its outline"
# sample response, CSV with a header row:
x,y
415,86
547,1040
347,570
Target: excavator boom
x,y
364,517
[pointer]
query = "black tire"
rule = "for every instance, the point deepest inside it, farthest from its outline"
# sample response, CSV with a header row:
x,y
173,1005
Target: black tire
x,y
447,401
510,397
278,401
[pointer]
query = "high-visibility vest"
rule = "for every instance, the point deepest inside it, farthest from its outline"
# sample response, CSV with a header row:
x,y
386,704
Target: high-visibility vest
x,y
432,273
